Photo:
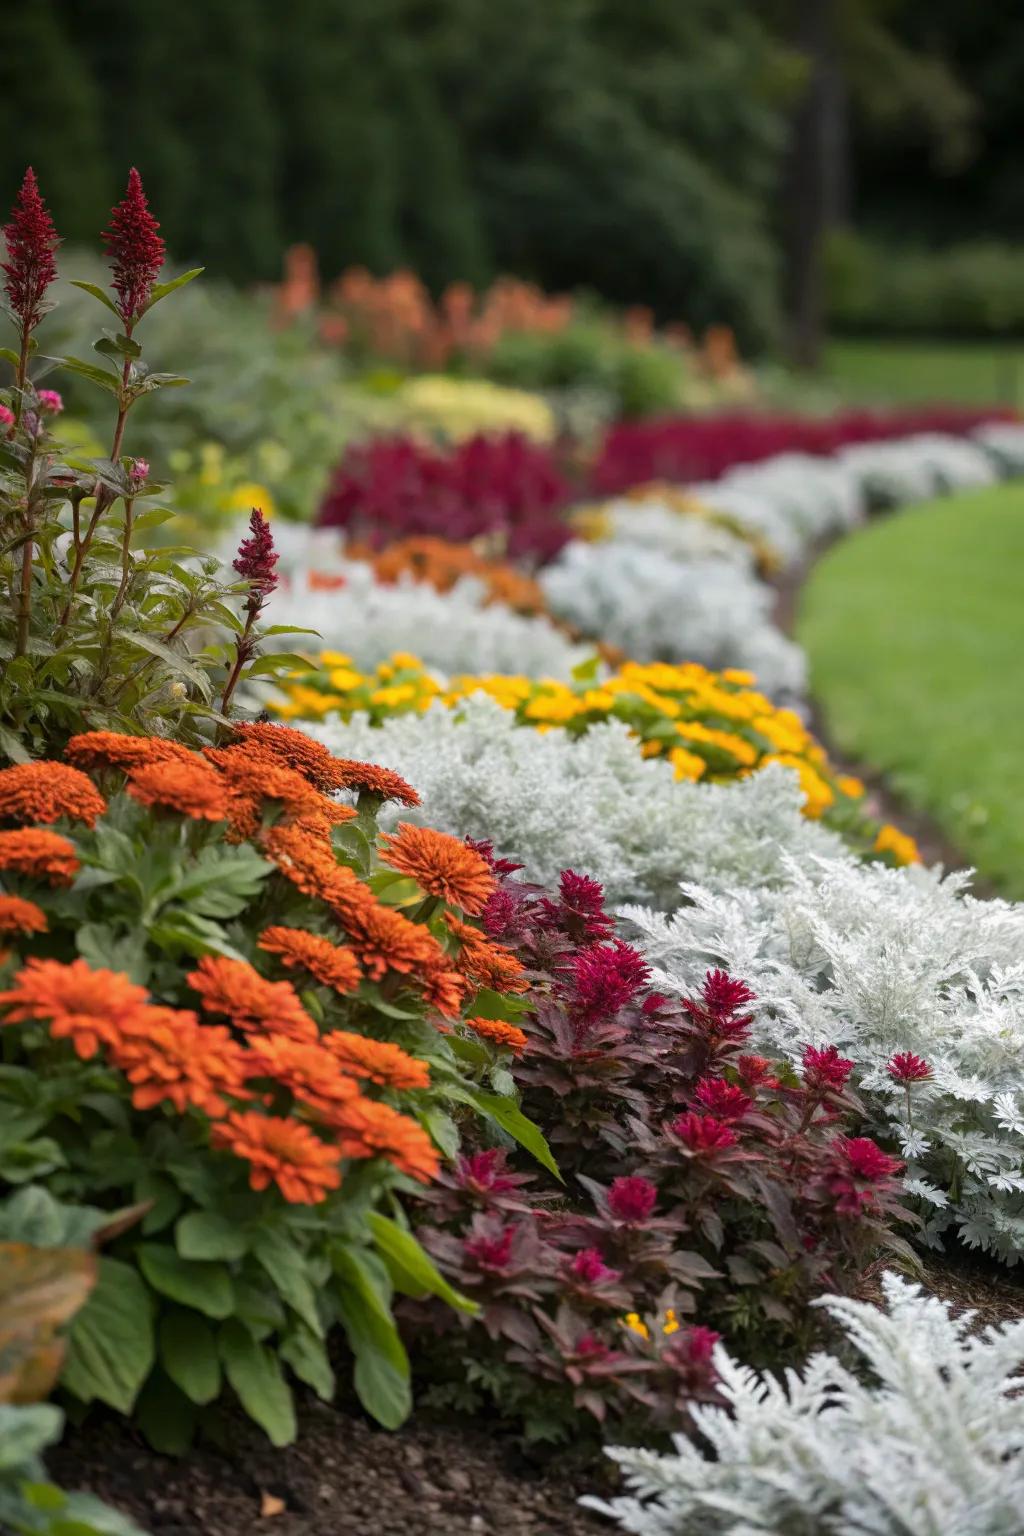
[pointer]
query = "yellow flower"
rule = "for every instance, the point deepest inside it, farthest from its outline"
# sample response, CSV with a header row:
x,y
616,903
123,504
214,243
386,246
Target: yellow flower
x,y
687,764
335,659
736,675
818,795
654,748
393,698
902,847
850,786
250,494
345,679
726,741
406,662
635,1322
599,698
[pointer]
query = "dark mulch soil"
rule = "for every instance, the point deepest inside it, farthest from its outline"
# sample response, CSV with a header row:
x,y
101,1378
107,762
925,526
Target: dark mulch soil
x,y
965,1280
343,1477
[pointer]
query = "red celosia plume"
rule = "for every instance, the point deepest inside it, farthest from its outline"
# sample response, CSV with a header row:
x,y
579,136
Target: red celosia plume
x,y
31,240
135,248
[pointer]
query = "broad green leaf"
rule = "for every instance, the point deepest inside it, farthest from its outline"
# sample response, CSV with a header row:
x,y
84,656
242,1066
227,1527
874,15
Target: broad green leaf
x,y
25,1160
188,1353
95,375
207,1287
12,746
382,1375
280,661
25,1431
412,1269
97,293
161,290
285,1263
254,1373
506,1113
177,663
165,1416
209,1235
33,1216
111,1346
307,1356
488,1004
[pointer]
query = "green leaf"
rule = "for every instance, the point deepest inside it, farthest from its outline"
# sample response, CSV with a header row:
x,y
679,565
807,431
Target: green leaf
x,y
280,661
207,1287
126,952
97,293
587,671
117,346
286,1265
33,1216
173,659
209,1235
382,1375
188,1353
11,746
111,1347
161,290
307,1356
95,375
488,1004
181,929
254,1373
506,1113
165,1416
25,1431
25,1160
412,1269
164,1198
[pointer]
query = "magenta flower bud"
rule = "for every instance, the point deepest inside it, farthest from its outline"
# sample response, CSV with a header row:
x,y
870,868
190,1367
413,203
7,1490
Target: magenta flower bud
x,y
6,416
50,401
138,471
905,1068
825,1069
632,1198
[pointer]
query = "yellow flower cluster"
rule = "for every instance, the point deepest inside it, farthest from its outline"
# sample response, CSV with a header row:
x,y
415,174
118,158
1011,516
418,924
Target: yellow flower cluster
x,y
458,408
635,1323
899,844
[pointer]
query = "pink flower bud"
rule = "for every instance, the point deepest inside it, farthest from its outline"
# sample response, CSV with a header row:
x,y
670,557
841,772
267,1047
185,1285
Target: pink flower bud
x,y
50,400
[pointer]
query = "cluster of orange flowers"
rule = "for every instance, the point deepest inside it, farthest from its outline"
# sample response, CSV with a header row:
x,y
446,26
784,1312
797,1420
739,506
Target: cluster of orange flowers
x,y
170,1055
257,1039
442,564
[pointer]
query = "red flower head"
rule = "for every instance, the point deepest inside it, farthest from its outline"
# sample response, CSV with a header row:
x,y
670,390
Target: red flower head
x,y
491,1254
137,251
858,1166
580,908
723,995
757,1072
905,1068
485,848
30,267
825,1070
588,1268
632,1199
703,1133
484,1172
257,556
716,1011
723,1099
691,1355
605,977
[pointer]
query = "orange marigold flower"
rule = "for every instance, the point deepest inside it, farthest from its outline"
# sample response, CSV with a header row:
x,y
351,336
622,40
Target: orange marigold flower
x,y
46,792
371,1129
498,1032
318,822
369,779
283,1152
111,749
385,940
186,788
305,1068
306,861
89,1008
441,865
236,989
485,962
41,854
20,916
443,988
294,749
255,778
166,1054
377,1061
331,964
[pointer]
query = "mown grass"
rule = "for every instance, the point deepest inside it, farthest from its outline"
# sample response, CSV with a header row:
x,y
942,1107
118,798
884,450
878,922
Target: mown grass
x,y
877,372
915,631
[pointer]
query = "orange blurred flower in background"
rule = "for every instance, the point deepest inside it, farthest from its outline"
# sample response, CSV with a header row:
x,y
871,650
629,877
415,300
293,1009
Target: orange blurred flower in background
x,y
168,1055
47,791
186,788
305,1068
17,915
499,1032
371,1129
88,1007
40,854
377,1061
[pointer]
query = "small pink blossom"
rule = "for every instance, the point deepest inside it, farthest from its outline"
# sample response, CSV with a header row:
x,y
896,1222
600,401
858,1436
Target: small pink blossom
x,y
905,1067
50,400
138,471
589,1268
6,416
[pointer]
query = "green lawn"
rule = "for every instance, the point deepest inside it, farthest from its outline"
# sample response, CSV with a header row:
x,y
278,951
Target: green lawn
x,y
915,631
905,372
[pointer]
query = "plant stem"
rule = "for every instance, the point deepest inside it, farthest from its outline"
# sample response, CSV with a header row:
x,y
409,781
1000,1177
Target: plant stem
x,y
24,599
22,372
126,555
243,650
104,498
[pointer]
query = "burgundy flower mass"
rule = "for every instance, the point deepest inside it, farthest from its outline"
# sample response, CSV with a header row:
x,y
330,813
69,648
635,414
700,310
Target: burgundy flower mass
x,y
31,241
135,248
257,558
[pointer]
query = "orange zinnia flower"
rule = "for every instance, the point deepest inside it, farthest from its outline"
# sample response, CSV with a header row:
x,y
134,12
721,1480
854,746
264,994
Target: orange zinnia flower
x,y
317,823
306,861
46,792
166,1054
110,749
43,855
441,865
283,1152
443,988
253,778
332,965
498,1032
377,1061
371,1129
87,1007
20,916
484,962
305,1068
187,788
293,749
385,940
235,988
381,783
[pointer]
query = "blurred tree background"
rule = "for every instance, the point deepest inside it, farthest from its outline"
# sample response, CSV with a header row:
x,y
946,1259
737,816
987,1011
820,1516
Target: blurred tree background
x,y
693,155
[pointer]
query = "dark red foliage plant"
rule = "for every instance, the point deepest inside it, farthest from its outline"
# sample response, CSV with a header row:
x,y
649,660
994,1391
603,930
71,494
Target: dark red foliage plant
x,y
504,488
708,1192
